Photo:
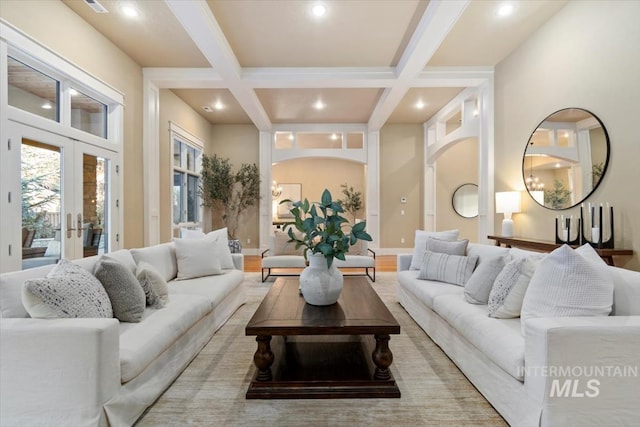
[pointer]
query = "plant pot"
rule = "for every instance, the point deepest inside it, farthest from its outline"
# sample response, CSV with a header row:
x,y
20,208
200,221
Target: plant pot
x,y
235,246
320,285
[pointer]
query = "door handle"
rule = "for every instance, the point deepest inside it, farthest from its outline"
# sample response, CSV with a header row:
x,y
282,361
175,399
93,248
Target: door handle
x,y
79,229
69,229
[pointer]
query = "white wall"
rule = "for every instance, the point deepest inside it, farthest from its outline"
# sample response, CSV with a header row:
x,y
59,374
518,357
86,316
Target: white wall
x,y
586,56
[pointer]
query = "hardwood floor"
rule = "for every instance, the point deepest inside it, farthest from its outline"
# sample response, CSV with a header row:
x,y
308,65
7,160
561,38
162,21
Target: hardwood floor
x,y
384,263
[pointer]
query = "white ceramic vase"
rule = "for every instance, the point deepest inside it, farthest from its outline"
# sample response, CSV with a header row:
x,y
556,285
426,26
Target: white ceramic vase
x,y
319,284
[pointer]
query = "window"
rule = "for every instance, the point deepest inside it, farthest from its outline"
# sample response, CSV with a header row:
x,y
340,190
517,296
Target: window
x,y
88,114
32,91
187,161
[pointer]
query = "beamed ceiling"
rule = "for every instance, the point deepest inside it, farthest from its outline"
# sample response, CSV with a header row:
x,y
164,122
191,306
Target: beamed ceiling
x,y
268,62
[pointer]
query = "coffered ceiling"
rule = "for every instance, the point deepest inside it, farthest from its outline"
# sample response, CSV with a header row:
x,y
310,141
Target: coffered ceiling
x,y
270,61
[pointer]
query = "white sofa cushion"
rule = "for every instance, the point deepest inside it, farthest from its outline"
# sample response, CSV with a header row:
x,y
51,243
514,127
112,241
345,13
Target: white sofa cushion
x,y
162,257
355,261
141,343
214,290
498,339
567,283
197,258
420,244
67,291
426,290
453,247
452,269
283,261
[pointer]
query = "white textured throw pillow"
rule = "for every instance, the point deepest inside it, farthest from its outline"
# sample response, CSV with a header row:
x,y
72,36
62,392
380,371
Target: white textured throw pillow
x,y
420,244
507,293
568,284
67,291
452,269
479,285
197,258
454,247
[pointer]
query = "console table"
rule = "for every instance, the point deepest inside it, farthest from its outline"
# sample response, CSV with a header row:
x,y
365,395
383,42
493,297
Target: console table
x,y
542,246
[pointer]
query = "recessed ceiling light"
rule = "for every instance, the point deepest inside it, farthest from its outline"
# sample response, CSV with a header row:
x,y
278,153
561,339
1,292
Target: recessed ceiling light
x,y
319,105
420,105
218,105
505,10
557,165
319,10
129,11
334,136
290,136
47,106
207,109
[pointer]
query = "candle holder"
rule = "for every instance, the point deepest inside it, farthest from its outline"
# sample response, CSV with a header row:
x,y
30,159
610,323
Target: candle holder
x,y
577,241
598,243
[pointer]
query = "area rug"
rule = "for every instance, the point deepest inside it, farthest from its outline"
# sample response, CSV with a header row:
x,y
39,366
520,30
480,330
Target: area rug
x,y
211,390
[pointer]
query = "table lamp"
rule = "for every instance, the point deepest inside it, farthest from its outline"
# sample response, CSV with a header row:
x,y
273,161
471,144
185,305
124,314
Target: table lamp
x,y
507,202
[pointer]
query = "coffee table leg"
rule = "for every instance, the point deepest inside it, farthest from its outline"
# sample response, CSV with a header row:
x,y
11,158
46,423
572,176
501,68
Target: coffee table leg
x,y
382,357
263,358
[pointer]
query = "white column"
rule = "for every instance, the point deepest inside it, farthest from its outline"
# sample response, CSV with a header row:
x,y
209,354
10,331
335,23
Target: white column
x,y
373,187
486,162
266,214
151,162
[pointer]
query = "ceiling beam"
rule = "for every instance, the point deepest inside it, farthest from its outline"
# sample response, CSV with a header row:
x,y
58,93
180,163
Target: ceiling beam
x,y
198,21
436,22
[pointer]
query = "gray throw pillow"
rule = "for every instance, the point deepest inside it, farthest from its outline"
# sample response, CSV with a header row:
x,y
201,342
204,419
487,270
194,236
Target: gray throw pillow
x,y
126,294
477,289
153,284
68,291
452,269
455,247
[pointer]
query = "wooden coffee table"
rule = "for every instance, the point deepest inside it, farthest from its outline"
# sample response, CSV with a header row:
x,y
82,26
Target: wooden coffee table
x,y
338,351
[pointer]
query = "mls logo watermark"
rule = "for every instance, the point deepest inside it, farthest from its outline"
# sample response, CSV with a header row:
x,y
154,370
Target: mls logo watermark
x,y
574,388
578,381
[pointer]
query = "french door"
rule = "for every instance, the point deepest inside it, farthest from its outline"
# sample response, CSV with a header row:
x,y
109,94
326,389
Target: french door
x,y
69,196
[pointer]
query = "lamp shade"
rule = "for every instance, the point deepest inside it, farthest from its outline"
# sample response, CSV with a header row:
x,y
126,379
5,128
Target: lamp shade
x,y
508,202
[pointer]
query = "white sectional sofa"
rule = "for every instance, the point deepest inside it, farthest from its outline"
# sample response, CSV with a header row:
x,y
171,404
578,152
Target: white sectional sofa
x,y
564,371
96,372
282,255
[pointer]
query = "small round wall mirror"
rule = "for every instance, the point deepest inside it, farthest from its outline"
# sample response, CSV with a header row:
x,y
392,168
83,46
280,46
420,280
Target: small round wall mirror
x,y
566,158
465,200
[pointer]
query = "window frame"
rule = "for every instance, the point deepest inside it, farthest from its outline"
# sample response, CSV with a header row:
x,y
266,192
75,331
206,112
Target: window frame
x,y
187,142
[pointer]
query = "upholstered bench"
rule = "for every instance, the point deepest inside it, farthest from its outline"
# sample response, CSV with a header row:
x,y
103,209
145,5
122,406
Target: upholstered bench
x,y
283,257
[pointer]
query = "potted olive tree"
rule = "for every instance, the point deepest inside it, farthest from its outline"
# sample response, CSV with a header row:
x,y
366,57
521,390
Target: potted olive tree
x,y
352,202
229,193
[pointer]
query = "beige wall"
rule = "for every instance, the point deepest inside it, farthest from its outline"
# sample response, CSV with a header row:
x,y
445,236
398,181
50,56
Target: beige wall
x,y
317,174
456,166
584,57
239,143
173,109
57,27
401,175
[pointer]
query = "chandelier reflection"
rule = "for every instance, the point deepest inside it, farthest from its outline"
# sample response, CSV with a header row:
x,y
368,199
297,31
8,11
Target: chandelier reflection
x,y
532,182
276,190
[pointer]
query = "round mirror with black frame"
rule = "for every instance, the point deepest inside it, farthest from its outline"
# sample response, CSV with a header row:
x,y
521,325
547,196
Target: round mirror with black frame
x,y
465,200
566,158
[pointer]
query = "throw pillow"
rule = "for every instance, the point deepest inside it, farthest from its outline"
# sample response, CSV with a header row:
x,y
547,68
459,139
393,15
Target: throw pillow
x,y
221,239
452,269
568,284
507,293
455,247
197,258
150,277
185,233
126,294
67,291
478,287
420,244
